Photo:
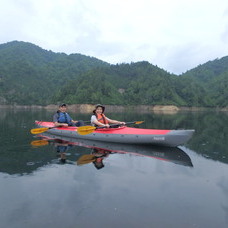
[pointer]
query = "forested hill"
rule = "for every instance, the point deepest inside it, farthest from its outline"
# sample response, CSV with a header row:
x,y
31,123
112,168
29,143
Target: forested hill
x,y
213,77
32,75
209,70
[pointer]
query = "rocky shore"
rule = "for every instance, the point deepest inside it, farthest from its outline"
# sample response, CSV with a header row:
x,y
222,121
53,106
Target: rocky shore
x,y
88,108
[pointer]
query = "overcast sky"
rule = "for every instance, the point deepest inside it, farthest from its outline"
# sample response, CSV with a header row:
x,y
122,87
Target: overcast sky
x,y
176,35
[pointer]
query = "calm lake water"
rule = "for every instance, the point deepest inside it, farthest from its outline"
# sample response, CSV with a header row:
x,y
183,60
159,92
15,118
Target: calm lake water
x,y
62,184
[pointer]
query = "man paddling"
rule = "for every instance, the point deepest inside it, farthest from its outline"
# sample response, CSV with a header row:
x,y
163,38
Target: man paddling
x,y
62,118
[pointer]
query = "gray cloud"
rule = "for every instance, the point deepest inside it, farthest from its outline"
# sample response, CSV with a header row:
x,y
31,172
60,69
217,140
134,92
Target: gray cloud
x,y
177,37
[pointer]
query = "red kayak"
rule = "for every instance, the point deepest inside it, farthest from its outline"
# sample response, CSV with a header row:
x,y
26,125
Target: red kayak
x,y
123,134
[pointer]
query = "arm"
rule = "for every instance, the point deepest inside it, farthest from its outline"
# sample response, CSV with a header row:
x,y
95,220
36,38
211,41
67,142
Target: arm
x,y
71,120
60,124
114,121
74,121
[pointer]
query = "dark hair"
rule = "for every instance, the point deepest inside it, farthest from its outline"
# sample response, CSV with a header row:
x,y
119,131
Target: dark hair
x,y
62,105
99,105
98,165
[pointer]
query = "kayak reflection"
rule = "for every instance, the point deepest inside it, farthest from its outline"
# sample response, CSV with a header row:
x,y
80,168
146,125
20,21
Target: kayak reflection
x,y
102,150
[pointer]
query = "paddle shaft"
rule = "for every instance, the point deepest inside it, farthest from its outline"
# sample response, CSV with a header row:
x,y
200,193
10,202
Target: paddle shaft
x,y
117,125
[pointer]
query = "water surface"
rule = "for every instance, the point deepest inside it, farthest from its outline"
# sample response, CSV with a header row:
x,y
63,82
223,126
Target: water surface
x,y
58,183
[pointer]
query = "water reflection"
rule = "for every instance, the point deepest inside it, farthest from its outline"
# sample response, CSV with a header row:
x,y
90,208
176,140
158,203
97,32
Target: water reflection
x,y
96,157
134,186
61,148
211,130
18,157
100,151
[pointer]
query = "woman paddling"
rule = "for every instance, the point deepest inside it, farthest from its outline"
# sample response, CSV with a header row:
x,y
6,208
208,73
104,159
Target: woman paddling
x,y
98,119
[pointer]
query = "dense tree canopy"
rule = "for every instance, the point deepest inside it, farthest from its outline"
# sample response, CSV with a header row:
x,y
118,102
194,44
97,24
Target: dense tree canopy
x,y
31,75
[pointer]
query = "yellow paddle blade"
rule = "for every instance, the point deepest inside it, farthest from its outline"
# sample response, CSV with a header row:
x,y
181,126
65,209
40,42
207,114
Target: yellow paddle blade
x,y
39,143
39,130
85,159
85,130
138,122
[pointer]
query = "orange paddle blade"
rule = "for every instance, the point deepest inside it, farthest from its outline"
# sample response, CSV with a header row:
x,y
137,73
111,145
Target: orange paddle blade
x,y
138,122
85,159
85,130
39,143
39,130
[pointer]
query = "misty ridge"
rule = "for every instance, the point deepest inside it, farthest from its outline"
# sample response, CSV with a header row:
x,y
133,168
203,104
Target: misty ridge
x,y
30,75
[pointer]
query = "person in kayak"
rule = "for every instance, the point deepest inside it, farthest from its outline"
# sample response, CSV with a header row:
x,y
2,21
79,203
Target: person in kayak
x,y
62,118
98,119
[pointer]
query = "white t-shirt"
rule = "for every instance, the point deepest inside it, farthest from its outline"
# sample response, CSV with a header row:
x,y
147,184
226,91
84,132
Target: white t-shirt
x,y
93,118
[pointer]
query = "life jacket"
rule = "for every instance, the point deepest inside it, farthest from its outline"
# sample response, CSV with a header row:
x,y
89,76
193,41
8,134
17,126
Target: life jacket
x,y
102,118
64,117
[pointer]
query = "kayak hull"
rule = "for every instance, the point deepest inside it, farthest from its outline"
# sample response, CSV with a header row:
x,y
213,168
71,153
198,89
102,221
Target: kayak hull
x,y
171,138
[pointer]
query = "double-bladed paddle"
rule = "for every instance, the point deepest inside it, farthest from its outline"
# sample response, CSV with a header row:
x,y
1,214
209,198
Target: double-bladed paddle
x,y
43,129
40,130
85,159
85,130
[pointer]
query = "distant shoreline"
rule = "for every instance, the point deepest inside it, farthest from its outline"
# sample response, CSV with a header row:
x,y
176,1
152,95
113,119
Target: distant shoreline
x,y
88,108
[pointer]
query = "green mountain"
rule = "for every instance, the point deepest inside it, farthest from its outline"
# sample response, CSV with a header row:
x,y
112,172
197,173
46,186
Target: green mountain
x,y
209,70
213,77
32,75
135,83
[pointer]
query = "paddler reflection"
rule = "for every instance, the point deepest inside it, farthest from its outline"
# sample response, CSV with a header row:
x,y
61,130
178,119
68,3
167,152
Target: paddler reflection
x,y
96,157
100,154
61,150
